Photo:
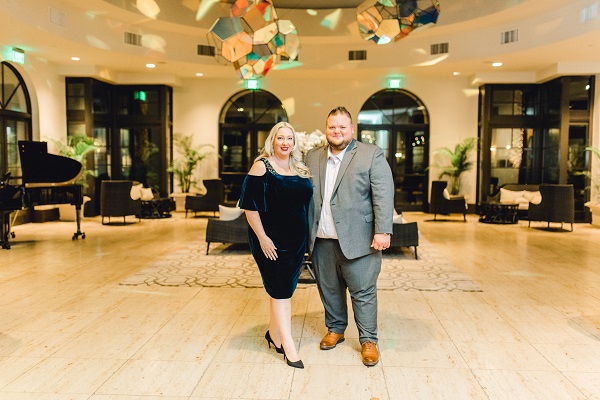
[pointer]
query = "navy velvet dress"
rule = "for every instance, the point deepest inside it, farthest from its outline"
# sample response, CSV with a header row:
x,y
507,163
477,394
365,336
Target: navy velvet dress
x,y
282,203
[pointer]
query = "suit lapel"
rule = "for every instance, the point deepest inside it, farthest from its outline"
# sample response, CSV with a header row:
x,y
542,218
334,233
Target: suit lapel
x,y
350,153
322,170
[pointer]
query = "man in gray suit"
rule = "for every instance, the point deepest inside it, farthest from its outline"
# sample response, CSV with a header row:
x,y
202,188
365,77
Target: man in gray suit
x,y
350,223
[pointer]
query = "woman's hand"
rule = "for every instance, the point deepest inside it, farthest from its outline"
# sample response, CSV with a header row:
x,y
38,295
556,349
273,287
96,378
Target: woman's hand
x,y
268,247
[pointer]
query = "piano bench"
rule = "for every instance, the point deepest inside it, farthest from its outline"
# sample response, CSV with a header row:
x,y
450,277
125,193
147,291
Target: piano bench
x,y
45,214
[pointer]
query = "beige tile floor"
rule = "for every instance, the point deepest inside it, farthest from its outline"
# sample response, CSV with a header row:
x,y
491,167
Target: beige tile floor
x,y
68,330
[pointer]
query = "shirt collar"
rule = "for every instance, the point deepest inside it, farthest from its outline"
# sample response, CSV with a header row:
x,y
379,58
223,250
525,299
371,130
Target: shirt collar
x,y
339,156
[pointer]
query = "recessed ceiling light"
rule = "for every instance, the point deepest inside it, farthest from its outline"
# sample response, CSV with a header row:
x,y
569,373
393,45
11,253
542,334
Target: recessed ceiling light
x,y
150,65
496,64
199,74
75,58
456,73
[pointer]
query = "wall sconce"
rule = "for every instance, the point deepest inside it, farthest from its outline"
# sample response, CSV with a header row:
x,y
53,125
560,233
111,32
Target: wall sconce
x,y
18,55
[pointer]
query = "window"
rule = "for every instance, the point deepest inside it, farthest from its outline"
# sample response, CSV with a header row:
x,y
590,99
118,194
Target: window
x,y
15,118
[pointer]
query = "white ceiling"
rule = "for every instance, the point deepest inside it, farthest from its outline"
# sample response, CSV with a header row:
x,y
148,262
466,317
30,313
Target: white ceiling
x,y
552,39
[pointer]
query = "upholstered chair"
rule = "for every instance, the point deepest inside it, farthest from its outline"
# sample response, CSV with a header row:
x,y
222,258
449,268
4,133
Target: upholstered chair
x,y
557,205
209,201
442,203
116,200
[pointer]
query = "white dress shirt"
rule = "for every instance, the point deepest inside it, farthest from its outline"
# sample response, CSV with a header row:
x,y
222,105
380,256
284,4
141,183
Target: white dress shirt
x,y
326,229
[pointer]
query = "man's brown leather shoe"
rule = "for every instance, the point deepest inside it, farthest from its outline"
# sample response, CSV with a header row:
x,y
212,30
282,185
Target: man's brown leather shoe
x,y
370,354
331,340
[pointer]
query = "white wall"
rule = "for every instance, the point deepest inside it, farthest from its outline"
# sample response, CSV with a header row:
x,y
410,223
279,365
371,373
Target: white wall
x,y
451,103
197,103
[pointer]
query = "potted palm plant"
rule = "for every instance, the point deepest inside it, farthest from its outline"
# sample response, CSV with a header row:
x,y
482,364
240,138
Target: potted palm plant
x,y
77,147
594,205
458,162
184,167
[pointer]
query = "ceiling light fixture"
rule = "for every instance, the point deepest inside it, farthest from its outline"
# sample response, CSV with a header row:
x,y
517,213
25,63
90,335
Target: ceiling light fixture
x,y
150,65
75,58
253,38
385,21
496,64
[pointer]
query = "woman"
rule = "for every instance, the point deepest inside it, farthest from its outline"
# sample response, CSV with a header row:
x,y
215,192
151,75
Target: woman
x,y
275,195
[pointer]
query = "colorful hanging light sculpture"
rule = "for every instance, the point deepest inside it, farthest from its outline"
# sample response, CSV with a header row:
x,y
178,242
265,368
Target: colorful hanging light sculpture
x,y
384,21
253,38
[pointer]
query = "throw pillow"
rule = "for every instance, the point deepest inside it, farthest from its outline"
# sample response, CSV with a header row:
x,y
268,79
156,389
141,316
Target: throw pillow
x,y
510,196
146,194
229,213
397,219
136,192
446,194
533,197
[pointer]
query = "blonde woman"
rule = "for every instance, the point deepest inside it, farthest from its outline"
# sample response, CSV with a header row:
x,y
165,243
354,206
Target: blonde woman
x,y
275,196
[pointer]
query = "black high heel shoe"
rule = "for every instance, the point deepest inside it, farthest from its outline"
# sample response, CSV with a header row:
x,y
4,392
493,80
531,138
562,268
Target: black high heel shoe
x,y
295,364
270,341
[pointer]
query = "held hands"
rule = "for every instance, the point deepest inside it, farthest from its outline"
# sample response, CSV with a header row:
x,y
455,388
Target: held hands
x,y
381,241
268,247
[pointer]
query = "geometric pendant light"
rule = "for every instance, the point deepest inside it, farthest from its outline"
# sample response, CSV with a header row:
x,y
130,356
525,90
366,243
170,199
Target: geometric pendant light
x,y
253,38
385,21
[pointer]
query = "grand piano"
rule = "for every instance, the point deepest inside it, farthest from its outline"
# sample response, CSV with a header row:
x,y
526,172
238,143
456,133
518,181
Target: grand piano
x,y
50,179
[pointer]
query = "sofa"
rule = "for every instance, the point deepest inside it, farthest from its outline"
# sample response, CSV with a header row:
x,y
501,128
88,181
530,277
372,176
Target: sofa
x,y
515,193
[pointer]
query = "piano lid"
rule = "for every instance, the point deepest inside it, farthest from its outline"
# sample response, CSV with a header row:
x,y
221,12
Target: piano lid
x,y
41,169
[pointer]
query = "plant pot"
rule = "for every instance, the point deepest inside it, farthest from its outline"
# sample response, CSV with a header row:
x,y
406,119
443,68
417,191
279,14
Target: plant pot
x,y
595,210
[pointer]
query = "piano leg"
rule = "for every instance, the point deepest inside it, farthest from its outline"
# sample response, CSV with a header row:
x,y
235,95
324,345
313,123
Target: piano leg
x,y
78,218
4,239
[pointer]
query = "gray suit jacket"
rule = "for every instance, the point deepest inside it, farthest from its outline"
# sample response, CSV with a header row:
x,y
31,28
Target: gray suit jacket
x,y
362,203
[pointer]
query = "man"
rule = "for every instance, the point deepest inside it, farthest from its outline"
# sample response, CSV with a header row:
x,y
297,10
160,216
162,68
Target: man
x,y
350,222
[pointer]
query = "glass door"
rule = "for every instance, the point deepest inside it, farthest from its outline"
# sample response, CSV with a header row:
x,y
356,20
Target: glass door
x,y
406,151
138,155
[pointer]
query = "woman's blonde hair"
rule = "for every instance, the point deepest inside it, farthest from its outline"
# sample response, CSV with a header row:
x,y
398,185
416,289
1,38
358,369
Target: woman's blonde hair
x,y
297,165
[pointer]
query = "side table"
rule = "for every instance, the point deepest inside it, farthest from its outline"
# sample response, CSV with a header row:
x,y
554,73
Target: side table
x,y
157,208
499,213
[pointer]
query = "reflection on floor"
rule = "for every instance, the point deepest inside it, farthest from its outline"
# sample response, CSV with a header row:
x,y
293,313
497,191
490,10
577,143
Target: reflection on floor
x,y
68,330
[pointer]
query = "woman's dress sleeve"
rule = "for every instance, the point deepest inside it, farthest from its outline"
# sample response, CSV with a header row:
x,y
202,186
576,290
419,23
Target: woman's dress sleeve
x,y
253,194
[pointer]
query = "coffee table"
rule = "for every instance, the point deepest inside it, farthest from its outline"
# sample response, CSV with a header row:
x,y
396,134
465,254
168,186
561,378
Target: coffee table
x,y
499,213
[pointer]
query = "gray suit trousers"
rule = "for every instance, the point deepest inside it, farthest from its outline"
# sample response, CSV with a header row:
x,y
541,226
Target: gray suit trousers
x,y
334,274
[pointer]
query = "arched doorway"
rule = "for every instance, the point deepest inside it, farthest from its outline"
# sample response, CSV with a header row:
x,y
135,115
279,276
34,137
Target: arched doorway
x,y
15,118
398,122
244,124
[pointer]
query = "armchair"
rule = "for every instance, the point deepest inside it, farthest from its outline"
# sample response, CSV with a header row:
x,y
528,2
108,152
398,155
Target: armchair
x,y
208,202
232,231
116,201
444,204
405,235
557,205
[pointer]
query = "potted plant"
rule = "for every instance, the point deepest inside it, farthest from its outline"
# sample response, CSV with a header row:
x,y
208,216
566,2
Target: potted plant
x,y
185,164
594,205
77,147
458,162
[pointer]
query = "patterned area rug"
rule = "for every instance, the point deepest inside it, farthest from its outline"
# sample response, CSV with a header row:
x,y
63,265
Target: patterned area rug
x,y
233,266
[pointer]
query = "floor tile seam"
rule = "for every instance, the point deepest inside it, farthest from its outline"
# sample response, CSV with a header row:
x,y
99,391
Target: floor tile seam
x,y
575,384
41,360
